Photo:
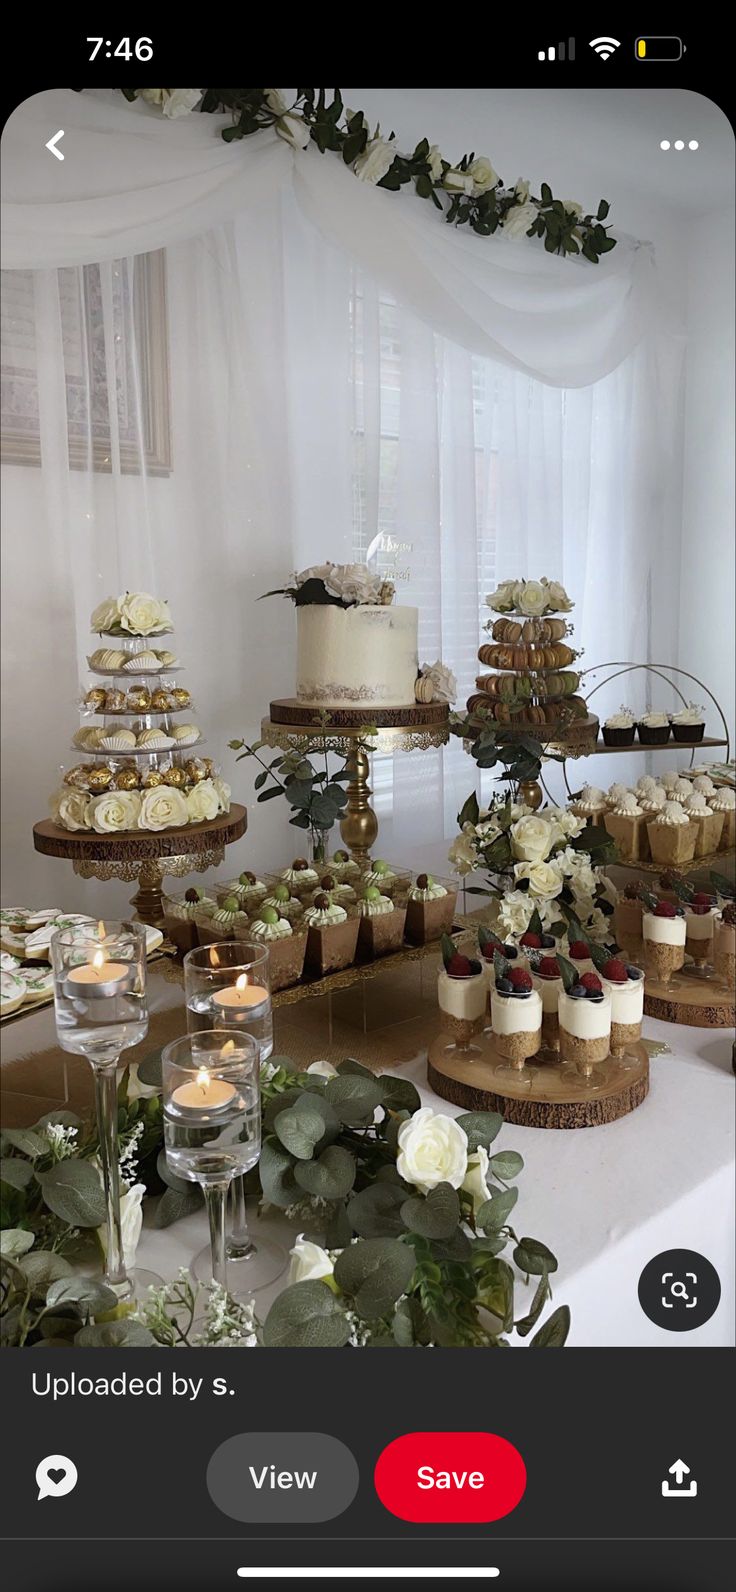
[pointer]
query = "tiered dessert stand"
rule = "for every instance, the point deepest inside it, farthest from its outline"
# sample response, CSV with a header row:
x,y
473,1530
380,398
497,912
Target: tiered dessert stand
x,y
144,856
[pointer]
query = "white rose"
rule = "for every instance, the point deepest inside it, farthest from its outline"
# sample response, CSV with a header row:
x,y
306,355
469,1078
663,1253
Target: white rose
x,y
223,793
114,810
131,1221
202,801
456,181
572,207
443,681
322,1069
353,583
309,1262
432,1149
545,880
521,189
462,855
532,598
532,838
558,598
173,102
503,599
315,572
475,1178
376,159
515,911
483,175
163,808
275,101
143,615
69,808
434,161
105,615
567,824
294,131
598,926
518,220
137,1090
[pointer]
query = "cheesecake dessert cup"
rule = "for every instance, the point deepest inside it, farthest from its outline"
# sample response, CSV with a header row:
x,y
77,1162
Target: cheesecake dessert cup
x,y
532,946
381,926
708,824
332,935
723,800
516,1016
548,983
700,922
724,947
664,936
585,1027
180,914
627,825
627,922
430,908
579,954
462,997
286,946
671,835
625,984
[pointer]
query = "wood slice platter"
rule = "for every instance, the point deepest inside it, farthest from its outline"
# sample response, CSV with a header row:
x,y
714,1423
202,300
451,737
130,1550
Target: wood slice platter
x,y
139,845
415,715
690,999
543,1095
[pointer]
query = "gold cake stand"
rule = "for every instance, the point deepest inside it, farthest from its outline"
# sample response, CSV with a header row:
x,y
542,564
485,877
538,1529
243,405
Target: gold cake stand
x,y
356,733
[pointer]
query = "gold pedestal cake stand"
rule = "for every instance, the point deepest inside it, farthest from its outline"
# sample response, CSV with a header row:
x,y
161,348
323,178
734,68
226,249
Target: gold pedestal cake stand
x,y
355,733
144,856
543,1094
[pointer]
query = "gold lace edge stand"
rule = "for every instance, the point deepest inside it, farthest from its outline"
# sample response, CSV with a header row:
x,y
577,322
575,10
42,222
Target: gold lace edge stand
x,y
145,857
542,1095
354,734
695,865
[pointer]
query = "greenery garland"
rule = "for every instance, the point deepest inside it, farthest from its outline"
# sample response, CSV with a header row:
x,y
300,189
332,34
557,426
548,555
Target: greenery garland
x,y
404,1263
469,193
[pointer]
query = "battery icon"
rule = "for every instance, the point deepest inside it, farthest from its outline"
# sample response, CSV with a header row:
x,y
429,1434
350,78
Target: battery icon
x,y
660,47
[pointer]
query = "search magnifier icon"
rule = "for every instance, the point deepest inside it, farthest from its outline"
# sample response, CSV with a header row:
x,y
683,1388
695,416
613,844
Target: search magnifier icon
x,y
679,1291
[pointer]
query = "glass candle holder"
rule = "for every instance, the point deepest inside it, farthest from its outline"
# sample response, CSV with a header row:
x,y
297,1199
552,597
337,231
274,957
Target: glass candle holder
x,y
212,1120
228,986
101,1009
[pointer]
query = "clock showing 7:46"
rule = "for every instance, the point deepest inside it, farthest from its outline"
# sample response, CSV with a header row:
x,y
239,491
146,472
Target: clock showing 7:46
x,y
125,49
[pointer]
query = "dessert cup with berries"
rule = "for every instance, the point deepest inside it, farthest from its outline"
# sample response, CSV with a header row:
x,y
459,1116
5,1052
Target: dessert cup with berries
x,y
547,980
490,946
533,944
461,993
664,934
625,984
585,1025
516,1016
700,922
724,946
579,955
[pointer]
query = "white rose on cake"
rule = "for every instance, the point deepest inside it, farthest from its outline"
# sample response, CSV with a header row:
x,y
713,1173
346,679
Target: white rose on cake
x,y
69,808
557,597
106,614
443,681
353,583
163,807
532,838
432,1149
376,159
114,810
202,801
223,793
143,615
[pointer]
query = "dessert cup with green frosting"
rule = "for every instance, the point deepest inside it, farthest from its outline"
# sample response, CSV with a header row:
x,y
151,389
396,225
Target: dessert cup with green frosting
x,y
332,935
382,923
430,908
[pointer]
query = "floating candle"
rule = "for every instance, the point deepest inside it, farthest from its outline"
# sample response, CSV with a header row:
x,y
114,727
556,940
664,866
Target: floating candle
x,y
98,978
240,996
204,1094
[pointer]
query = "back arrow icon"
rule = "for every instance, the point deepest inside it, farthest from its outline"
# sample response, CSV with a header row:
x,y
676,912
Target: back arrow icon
x,y
53,142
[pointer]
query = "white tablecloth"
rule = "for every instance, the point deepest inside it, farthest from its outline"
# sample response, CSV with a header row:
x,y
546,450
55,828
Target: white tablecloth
x,y
605,1200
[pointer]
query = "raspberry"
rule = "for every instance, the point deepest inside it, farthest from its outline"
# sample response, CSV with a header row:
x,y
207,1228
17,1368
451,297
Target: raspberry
x,y
702,899
519,978
534,941
665,909
459,967
549,967
591,981
699,908
614,970
489,951
579,950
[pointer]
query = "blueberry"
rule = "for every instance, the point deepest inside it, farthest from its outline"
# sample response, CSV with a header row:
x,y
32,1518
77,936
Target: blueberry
x,y
594,994
476,967
522,994
504,986
578,992
510,952
634,972
548,941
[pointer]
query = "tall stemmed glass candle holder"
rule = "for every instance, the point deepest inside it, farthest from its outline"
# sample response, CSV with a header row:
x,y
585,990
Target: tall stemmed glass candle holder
x,y
228,985
212,1120
101,1010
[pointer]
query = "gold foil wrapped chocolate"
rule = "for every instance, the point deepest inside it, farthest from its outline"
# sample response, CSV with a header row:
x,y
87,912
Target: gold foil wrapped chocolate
x,y
138,699
195,770
77,776
95,698
179,697
161,700
153,776
175,777
208,766
125,779
114,701
99,777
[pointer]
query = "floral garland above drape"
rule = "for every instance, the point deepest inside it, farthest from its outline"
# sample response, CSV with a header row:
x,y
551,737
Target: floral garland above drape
x,y
468,193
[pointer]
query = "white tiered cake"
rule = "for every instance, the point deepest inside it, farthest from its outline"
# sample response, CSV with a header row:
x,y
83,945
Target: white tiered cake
x,y
352,657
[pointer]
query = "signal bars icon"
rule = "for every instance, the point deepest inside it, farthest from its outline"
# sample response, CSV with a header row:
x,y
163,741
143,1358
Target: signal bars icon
x,y
558,52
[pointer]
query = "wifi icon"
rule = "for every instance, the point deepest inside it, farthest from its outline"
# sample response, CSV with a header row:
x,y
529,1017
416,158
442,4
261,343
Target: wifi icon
x,y
605,47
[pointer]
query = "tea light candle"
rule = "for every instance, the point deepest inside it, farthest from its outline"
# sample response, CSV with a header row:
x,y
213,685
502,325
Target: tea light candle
x,y
97,979
204,1094
239,997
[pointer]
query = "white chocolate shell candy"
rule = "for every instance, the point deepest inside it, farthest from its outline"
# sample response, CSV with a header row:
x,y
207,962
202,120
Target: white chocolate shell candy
x,y
107,658
142,663
167,660
118,741
186,734
154,741
80,740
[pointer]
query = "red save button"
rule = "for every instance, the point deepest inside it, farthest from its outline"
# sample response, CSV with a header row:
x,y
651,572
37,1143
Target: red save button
x,y
450,1478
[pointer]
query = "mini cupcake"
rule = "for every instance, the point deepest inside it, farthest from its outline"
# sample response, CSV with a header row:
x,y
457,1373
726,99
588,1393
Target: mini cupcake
x,y
626,824
584,1014
671,835
249,890
709,824
689,724
343,867
654,729
516,1016
430,909
627,922
724,946
287,905
663,931
620,728
332,935
724,801
590,803
700,922
461,995
382,875
299,877
548,982
381,923
286,948
224,922
180,914
625,985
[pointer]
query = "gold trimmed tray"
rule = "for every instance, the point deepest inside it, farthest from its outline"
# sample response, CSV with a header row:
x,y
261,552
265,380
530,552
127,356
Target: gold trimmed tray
x,y
543,1095
297,715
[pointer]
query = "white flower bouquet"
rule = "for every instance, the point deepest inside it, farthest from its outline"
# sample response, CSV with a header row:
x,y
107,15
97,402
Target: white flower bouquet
x,y
531,598
133,613
343,585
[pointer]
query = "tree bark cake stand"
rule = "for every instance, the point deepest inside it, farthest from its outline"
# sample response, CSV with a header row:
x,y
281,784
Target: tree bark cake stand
x,y
354,733
544,1096
144,856
696,1002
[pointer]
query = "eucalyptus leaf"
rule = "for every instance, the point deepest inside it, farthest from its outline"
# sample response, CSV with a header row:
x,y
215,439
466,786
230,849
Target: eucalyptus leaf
x,y
496,1211
73,1190
533,1257
299,1129
176,1203
375,1271
89,1296
42,1267
276,1169
435,1216
331,1177
553,1334
355,1099
480,1128
506,1164
376,1211
15,1171
150,1070
61,1118
181,1184
399,1094
123,1334
338,1231
15,1241
27,1141
538,1303
307,1315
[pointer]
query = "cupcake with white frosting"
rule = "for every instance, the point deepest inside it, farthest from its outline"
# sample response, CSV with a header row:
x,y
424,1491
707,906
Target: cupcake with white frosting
x,y
654,729
626,824
664,934
332,935
590,803
671,835
708,824
620,728
724,801
430,908
689,724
